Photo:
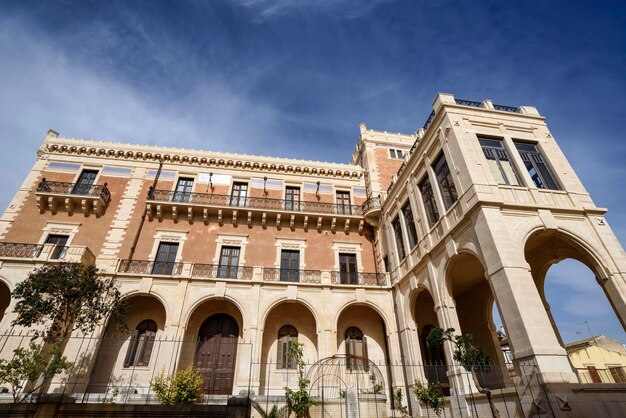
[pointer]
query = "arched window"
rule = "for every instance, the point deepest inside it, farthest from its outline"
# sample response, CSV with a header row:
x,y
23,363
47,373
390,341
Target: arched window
x,y
356,350
286,336
141,343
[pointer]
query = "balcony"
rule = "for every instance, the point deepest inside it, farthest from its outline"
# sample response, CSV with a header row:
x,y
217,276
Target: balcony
x,y
244,209
222,272
163,268
292,275
250,274
46,253
371,210
52,195
358,278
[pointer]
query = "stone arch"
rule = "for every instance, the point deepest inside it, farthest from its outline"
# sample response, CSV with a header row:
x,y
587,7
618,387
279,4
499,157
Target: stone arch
x,y
202,350
285,313
370,305
544,248
110,367
237,312
156,295
467,285
5,297
303,302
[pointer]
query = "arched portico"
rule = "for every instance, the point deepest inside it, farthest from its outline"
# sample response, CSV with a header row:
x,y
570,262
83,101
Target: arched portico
x,y
473,299
285,322
213,336
131,357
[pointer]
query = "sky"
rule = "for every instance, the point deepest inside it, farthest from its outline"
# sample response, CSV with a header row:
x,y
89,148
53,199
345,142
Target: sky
x,y
293,78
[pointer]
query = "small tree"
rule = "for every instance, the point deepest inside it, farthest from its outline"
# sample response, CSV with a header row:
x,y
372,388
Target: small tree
x,y
471,357
184,388
430,395
397,402
27,365
299,401
63,298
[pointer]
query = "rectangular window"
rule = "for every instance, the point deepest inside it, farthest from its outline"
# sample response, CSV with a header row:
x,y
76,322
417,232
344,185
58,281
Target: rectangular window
x,y
595,376
396,153
535,165
347,269
165,258
292,198
444,178
397,232
239,195
343,203
59,242
229,262
290,266
85,181
410,225
499,161
184,187
428,198
618,374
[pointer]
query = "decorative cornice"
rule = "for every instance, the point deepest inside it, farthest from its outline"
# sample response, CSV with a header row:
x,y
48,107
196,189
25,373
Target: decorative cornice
x,y
130,152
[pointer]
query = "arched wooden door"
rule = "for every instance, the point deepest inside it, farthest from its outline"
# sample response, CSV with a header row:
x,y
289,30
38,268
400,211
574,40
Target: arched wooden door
x,y
216,353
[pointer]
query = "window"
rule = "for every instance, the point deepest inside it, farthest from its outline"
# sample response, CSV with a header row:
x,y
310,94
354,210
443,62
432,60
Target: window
x,y
396,153
292,198
536,166
165,258
229,262
618,374
59,242
347,269
356,350
184,187
444,178
85,181
397,232
595,376
141,343
429,201
499,161
343,203
290,266
239,194
410,224
287,335
387,265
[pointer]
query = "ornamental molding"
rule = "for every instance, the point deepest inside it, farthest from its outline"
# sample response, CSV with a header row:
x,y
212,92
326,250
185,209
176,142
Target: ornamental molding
x,y
201,159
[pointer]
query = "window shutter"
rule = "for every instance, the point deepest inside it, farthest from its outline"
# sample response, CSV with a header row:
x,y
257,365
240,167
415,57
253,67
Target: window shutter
x,y
144,356
366,365
132,348
280,355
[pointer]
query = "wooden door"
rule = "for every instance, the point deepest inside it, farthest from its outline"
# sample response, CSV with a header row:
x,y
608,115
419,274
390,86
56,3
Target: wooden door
x,y
347,269
290,266
216,353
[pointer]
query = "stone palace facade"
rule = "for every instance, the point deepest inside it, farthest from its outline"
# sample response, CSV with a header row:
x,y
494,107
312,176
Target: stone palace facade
x,y
234,256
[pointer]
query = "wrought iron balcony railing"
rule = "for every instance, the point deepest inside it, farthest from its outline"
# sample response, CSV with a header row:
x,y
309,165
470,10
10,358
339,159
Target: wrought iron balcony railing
x,y
165,268
222,272
252,202
78,189
358,278
292,275
18,250
371,204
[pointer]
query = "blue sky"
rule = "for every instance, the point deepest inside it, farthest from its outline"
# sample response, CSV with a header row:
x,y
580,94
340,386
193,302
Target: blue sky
x,y
294,78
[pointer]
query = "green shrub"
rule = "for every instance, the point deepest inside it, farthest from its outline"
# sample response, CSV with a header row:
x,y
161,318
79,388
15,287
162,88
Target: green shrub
x,y
184,388
430,395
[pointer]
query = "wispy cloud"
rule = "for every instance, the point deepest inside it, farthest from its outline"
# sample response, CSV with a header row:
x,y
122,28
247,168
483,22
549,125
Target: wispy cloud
x,y
344,8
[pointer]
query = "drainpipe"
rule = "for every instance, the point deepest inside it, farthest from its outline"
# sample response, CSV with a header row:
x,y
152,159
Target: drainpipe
x,y
145,212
